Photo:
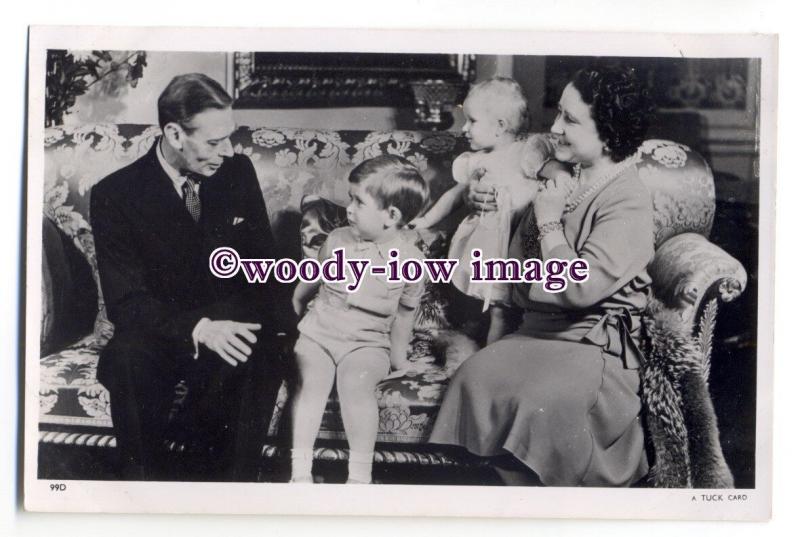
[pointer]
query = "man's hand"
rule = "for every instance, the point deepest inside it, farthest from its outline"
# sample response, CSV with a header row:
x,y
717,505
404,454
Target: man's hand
x,y
231,340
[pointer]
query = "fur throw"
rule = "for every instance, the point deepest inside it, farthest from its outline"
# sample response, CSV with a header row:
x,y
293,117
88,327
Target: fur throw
x,y
680,419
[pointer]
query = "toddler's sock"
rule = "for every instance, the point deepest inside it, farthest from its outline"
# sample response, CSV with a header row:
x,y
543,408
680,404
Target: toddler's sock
x,y
301,465
359,467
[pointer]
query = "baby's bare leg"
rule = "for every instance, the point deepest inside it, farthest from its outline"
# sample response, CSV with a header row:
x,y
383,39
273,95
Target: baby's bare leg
x,y
316,374
357,376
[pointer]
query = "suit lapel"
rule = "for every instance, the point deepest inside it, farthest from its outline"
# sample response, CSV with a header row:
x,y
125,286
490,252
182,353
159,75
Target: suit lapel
x,y
162,206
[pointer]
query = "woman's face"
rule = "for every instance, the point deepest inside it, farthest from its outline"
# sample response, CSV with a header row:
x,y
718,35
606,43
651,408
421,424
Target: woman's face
x,y
578,140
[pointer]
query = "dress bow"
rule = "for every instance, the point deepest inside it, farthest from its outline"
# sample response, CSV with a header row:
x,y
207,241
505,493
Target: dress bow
x,y
613,332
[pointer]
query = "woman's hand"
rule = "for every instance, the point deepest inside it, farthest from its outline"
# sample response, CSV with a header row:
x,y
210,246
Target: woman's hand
x,y
481,197
419,224
549,202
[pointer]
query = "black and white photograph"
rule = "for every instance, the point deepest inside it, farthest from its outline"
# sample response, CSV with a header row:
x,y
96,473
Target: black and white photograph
x,y
238,280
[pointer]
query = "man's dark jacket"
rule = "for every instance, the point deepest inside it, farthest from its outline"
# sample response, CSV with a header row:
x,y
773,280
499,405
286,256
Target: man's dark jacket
x,y
153,257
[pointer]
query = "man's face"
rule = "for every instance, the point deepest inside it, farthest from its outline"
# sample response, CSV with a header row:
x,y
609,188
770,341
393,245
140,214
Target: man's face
x,y
205,140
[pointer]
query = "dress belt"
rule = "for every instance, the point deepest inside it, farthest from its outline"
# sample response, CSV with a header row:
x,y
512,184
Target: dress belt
x,y
613,332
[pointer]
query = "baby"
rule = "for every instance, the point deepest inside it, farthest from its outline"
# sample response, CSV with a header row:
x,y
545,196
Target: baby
x,y
496,114
355,338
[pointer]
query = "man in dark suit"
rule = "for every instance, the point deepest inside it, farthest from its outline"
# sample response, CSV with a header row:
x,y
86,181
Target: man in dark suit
x,y
155,223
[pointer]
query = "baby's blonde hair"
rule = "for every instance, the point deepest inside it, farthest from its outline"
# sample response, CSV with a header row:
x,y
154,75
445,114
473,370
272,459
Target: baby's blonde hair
x,y
504,98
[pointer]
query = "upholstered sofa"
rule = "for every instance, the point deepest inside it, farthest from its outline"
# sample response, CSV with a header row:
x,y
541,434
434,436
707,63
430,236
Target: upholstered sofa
x,y
691,276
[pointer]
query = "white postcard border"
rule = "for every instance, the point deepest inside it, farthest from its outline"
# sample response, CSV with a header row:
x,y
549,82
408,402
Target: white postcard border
x,y
405,500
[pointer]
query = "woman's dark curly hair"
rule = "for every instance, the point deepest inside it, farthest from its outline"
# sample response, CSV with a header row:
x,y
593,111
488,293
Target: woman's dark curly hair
x,y
621,107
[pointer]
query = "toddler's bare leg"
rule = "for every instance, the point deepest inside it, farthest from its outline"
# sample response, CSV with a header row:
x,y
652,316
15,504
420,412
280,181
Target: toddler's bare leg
x,y
316,374
357,376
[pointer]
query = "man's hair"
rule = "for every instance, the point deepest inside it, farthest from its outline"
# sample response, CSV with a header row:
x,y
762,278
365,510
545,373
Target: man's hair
x,y
393,181
188,95
505,100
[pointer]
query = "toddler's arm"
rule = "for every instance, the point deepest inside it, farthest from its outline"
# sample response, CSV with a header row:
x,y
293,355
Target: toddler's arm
x,y
400,338
445,205
303,293
554,169
538,150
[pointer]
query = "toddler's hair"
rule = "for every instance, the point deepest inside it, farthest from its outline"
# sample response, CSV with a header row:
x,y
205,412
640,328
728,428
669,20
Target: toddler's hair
x,y
393,181
505,99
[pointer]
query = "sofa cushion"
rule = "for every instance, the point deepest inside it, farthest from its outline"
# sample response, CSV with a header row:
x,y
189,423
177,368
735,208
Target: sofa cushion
x,y
69,293
407,407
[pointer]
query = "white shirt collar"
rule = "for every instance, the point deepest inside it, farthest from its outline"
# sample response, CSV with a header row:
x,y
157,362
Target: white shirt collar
x,y
173,174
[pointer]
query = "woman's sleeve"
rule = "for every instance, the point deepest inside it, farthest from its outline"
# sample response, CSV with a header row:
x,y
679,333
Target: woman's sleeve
x,y
618,248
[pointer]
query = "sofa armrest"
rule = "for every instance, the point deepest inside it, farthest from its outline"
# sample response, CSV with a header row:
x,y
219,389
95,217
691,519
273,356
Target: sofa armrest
x,y
687,267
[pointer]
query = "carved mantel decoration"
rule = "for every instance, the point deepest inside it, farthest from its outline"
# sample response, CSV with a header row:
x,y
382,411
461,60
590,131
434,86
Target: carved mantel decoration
x,y
321,80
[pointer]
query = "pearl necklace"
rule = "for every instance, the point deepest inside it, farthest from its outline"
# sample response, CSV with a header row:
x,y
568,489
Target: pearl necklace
x,y
598,183
530,239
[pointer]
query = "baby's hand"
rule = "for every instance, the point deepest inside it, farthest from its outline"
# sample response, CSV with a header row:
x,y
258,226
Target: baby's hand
x,y
554,169
477,174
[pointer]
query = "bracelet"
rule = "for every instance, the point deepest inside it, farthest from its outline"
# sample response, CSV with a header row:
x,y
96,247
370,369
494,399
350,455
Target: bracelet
x,y
549,227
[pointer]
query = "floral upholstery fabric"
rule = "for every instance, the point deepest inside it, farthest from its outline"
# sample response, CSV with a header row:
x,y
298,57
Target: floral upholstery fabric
x,y
69,393
291,164
682,186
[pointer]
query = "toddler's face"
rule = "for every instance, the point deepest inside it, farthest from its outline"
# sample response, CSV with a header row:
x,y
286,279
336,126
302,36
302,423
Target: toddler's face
x,y
481,127
365,214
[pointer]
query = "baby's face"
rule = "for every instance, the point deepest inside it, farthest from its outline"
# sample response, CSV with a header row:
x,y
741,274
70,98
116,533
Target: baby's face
x,y
481,128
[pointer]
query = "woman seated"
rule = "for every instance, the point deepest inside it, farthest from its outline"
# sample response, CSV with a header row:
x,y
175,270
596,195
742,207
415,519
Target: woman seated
x,y
561,394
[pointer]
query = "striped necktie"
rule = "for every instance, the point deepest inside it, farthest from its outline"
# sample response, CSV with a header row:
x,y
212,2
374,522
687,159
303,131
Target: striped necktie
x,y
191,199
